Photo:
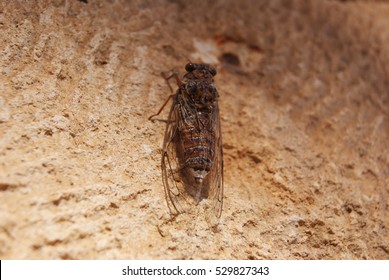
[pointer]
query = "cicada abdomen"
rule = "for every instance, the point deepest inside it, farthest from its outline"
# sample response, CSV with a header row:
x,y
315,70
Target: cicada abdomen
x,y
192,156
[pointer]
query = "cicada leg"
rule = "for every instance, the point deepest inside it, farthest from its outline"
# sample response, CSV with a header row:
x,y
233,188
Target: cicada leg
x,y
167,77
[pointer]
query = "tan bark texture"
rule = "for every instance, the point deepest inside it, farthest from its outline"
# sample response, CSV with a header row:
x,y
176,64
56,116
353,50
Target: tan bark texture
x,y
304,105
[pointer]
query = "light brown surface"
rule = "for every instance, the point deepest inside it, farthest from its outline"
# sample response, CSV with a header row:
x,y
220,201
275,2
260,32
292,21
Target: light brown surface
x,y
305,119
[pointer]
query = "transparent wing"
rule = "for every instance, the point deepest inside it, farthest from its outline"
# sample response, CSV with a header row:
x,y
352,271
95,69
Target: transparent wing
x,y
216,174
177,198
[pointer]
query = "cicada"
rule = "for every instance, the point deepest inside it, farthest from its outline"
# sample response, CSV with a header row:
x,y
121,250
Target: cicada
x,y
192,155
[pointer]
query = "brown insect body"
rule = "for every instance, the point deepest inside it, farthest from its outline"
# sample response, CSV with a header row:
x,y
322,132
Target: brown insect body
x,y
192,159
195,135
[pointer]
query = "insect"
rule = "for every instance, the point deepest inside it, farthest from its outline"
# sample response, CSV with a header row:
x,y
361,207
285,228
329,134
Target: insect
x,y
192,155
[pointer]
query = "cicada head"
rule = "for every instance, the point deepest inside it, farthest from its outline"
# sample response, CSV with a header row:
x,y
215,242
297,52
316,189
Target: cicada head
x,y
199,84
199,71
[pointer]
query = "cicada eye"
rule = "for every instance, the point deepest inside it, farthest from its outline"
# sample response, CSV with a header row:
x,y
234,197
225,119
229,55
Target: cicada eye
x,y
212,71
190,67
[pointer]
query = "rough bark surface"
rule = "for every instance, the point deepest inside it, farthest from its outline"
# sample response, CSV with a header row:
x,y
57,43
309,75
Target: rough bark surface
x,y
304,99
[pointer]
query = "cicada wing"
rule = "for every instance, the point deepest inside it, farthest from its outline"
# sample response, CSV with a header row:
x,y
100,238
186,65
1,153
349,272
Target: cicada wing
x,y
177,198
216,183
